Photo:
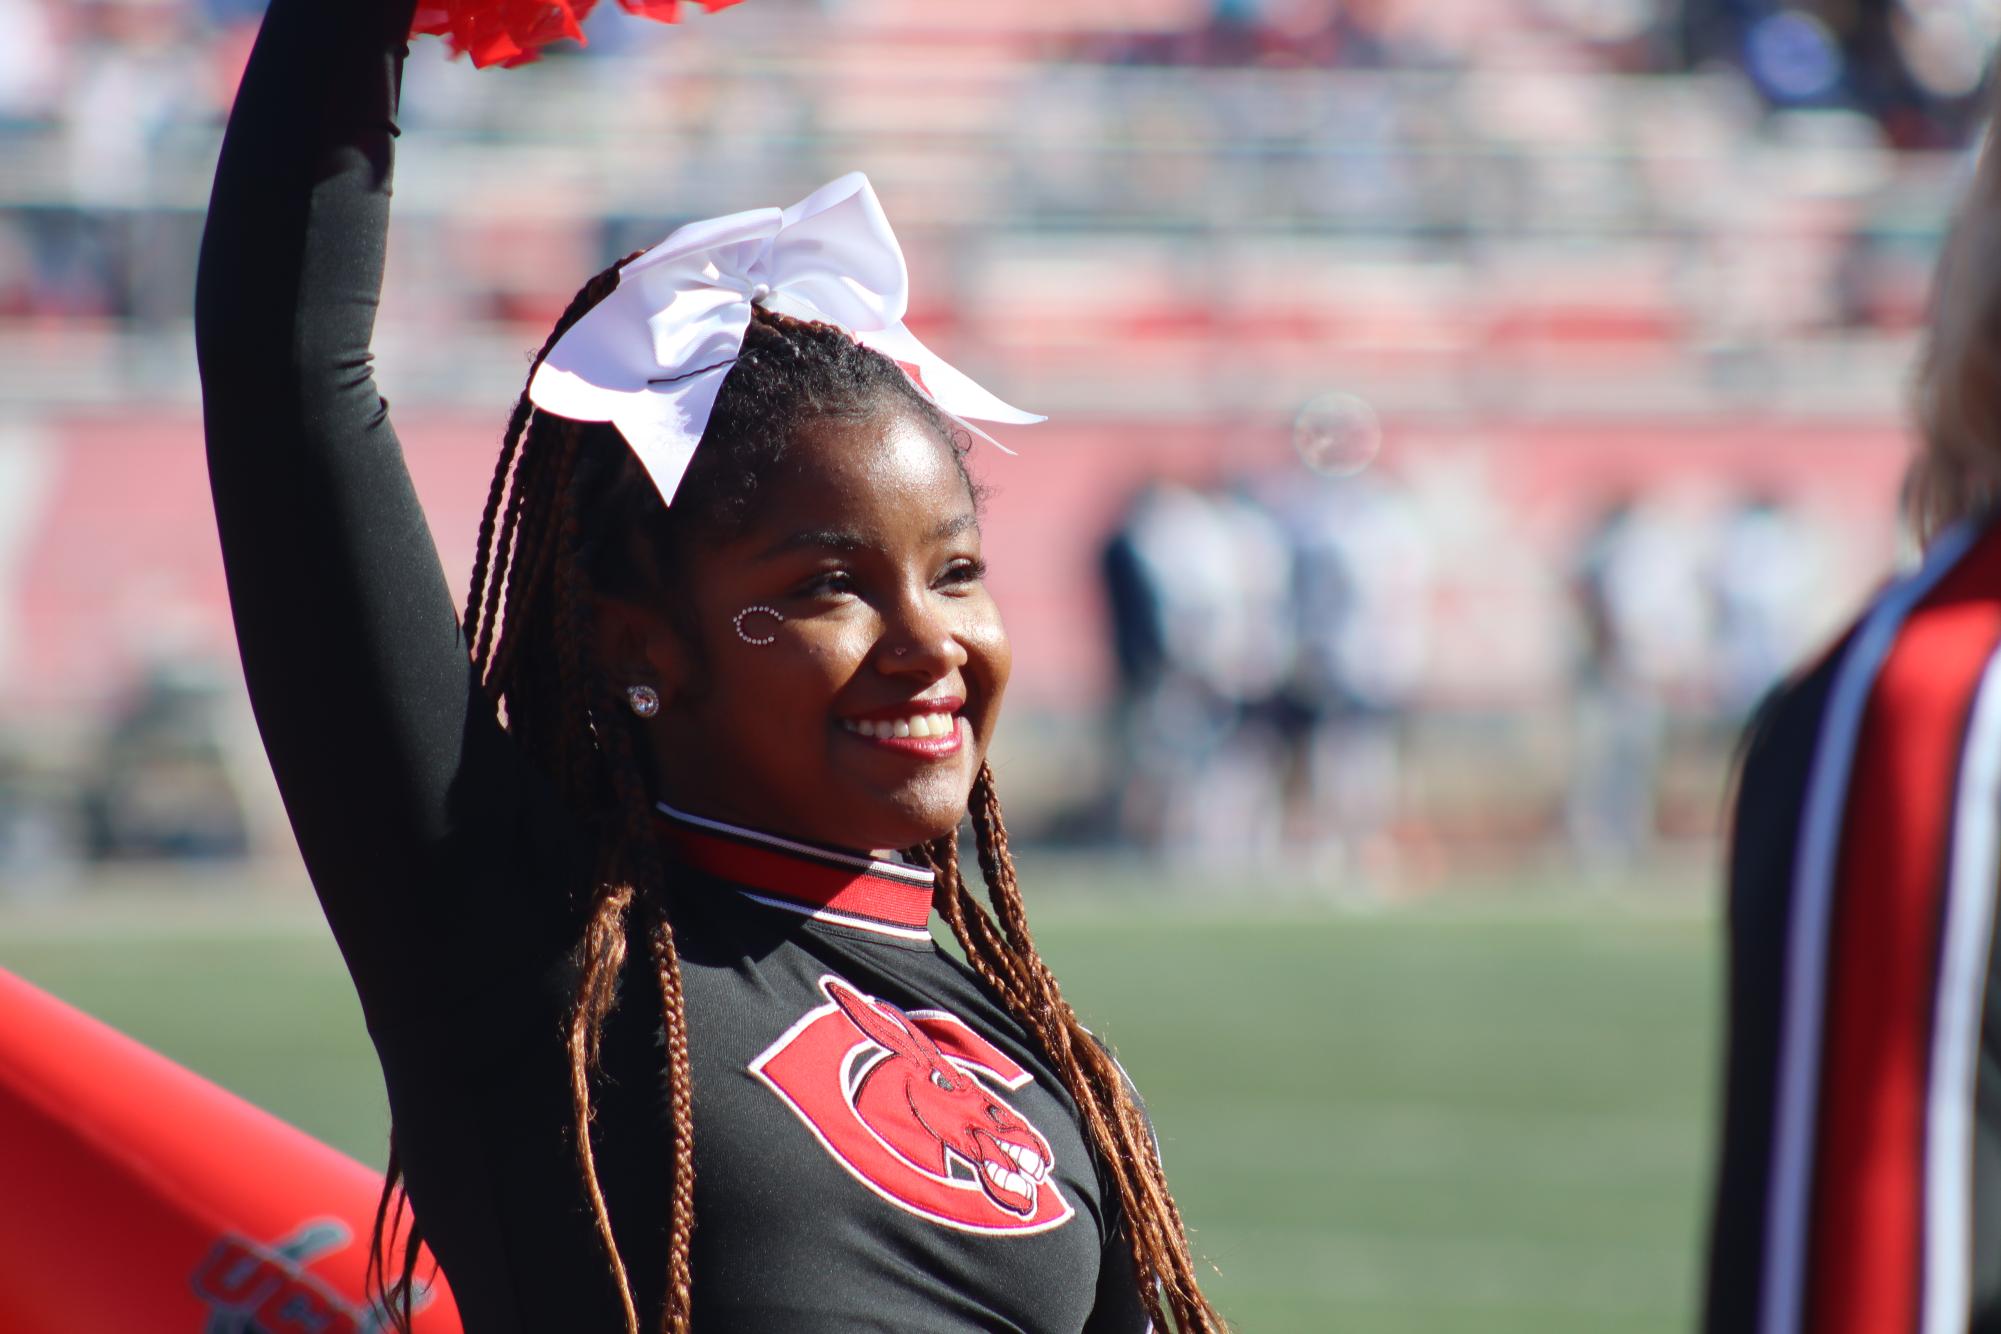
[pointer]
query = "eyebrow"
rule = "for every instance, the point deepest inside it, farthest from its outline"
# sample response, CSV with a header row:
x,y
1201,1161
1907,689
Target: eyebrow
x,y
847,540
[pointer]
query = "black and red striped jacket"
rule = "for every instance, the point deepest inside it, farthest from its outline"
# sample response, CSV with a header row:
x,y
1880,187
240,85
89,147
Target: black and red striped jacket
x,y
1859,1189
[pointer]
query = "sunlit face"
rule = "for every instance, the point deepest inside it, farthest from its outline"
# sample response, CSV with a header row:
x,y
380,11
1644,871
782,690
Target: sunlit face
x,y
865,718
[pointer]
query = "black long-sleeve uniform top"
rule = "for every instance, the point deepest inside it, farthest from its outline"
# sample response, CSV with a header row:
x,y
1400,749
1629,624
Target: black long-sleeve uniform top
x,y
878,1144
1858,1188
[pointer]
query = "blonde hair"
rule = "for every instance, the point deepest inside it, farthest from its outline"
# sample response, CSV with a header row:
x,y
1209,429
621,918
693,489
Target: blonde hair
x,y
1957,472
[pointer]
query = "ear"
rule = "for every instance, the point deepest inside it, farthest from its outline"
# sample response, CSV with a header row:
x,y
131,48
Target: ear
x,y
637,644
889,1030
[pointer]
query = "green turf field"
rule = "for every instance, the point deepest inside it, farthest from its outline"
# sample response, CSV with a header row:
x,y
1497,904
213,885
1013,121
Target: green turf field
x,y
1433,1119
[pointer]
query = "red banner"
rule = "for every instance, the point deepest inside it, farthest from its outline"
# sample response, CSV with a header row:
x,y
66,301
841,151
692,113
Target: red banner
x,y
135,1195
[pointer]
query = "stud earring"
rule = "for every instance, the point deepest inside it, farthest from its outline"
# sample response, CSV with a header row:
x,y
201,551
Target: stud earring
x,y
772,612
643,700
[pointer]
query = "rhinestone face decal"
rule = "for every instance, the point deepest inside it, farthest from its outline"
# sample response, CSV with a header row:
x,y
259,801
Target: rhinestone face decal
x,y
749,638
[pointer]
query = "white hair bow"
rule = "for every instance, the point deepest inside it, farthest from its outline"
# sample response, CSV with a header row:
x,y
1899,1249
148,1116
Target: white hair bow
x,y
651,356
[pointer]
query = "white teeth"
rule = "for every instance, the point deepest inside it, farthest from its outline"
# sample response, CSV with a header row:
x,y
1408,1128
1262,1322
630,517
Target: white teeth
x,y
920,725
1009,1181
1028,1160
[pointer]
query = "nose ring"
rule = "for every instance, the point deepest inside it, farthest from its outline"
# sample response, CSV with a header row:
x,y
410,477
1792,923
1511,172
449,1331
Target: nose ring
x,y
772,612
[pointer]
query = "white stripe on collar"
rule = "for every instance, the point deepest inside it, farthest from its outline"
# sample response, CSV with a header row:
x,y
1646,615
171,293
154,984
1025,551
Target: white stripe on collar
x,y
892,870
836,918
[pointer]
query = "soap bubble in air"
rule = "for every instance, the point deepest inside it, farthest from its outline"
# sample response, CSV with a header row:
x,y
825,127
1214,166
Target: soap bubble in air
x,y
1337,434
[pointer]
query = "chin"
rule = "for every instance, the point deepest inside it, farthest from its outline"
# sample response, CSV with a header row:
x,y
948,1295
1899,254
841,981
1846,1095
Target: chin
x,y
923,812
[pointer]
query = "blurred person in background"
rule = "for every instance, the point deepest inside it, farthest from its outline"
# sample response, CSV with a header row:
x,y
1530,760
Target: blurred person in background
x,y
1271,637
1914,66
1647,615
133,71
631,864
1859,1183
30,65
1361,591
1161,723
1768,576
1243,661
1197,588
160,785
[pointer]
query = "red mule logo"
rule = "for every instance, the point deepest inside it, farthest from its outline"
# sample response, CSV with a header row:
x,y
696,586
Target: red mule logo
x,y
901,1101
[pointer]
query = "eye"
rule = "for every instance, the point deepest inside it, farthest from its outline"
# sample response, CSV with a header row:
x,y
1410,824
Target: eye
x,y
993,1114
829,584
938,1078
967,570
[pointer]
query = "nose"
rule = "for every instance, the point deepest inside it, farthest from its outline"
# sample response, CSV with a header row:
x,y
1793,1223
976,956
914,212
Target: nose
x,y
919,638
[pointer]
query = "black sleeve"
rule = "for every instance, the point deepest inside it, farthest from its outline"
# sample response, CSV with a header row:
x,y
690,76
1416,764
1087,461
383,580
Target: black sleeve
x,y
1764,842
424,833
1118,1309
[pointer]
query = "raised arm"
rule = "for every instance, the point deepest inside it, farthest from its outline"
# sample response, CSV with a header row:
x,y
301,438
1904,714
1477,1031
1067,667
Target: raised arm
x,y
405,795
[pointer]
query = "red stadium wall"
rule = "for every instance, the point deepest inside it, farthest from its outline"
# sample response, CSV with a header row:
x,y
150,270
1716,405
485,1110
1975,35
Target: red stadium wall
x,y
113,553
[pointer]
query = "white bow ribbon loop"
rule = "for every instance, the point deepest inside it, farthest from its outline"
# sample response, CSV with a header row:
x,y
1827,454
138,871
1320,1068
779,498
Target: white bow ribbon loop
x,y
651,357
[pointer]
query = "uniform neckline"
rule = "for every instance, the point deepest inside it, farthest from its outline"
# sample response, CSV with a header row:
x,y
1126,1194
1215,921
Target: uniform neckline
x,y
826,884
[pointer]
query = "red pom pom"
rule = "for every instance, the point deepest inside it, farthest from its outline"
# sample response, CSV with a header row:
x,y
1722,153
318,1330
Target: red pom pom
x,y
513,32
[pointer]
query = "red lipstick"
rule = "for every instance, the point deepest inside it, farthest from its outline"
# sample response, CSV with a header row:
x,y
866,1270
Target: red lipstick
x,y
931,727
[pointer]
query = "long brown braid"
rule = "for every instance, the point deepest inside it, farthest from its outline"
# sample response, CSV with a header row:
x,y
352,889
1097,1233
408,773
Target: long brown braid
x,y
1004,956
528,627
570,515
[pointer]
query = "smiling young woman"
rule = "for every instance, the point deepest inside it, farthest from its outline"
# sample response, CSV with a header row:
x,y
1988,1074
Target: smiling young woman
x,y
634,863
836,650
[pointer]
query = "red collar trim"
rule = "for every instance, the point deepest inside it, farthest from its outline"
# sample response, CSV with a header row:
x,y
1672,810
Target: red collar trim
x,y
844,888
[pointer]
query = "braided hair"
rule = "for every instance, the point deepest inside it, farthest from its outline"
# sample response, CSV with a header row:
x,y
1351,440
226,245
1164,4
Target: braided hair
x,y
571,515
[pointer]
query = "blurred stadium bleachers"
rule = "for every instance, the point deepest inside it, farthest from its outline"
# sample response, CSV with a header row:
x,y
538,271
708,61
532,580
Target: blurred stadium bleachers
x,y
1567,252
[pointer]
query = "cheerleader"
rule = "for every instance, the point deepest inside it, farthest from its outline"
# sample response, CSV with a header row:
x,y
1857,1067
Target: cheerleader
x,y
633,864
1859,1188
